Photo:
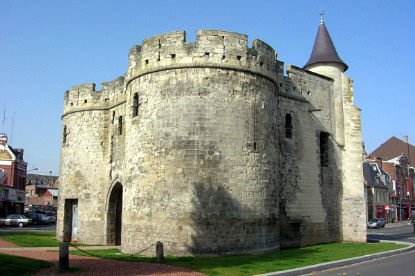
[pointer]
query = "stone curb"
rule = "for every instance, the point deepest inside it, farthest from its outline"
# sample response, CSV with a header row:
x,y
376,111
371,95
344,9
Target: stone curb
x,y
341,263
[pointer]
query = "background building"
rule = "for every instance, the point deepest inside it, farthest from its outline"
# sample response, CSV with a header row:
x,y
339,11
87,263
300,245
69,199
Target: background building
x,y
394,157
41,193
380,192
13,176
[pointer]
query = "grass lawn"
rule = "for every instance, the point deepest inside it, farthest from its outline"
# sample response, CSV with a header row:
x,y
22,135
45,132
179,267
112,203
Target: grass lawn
x,y
33,239
258,264
19,266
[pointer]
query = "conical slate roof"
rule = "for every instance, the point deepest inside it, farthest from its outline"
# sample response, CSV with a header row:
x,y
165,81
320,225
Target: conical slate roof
x,y
324,50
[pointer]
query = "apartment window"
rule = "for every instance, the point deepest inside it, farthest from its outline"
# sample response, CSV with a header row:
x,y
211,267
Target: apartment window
x,y
288,126
136,104
120,125
324,149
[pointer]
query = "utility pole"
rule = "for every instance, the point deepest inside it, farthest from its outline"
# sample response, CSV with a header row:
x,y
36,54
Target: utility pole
x,y
4,119
408,179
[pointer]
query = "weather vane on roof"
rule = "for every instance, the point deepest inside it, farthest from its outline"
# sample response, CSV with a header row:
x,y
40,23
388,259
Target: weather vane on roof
x,y
321,16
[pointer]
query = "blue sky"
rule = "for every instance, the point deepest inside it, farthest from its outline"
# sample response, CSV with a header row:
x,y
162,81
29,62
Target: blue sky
x,y
46,47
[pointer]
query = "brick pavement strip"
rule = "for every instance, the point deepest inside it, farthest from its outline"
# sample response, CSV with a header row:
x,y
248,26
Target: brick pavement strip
x,y
92,266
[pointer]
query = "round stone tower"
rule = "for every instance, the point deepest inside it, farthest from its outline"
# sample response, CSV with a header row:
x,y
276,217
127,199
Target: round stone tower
x,y
183,149
200,165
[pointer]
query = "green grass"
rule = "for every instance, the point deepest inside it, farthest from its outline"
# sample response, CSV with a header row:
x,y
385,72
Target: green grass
x,y
19,266
258,264
33,239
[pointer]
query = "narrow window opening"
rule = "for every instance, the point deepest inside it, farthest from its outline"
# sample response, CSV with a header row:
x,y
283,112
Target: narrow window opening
x,y
85,101
120,125
324,149
173,56
158,58
206,54
308,92
136,104
254,145
223,42
238,57
295,230
261,64
107,100
71,104
146,61
113,117
65,133
288,126
159,44
280,84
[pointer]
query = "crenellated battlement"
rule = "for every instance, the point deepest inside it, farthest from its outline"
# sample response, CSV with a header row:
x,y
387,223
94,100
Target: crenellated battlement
x,y
85,97
212,49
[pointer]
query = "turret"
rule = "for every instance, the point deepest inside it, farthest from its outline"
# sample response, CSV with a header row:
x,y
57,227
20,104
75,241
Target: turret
x,y
324,53
324,60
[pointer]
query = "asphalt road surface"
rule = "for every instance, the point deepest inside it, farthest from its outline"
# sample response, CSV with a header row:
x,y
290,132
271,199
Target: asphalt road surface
x,y
401,264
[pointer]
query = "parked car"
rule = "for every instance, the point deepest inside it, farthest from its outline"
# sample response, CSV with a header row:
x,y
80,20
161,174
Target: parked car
x,y
376,223
52,216
37,219
16,220
45,219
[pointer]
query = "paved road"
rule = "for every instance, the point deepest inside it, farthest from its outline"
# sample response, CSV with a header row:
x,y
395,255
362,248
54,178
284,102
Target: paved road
x,y
31,228
402,264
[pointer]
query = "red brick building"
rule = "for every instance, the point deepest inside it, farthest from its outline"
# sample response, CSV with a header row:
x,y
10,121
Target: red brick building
x,y
41,193
397,158
12,188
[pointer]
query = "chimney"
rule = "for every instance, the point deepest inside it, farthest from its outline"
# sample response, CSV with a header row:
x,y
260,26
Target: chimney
x,y
405,139
379,161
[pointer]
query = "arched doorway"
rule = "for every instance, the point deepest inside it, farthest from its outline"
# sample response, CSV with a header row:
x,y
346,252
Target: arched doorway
x,y
114,216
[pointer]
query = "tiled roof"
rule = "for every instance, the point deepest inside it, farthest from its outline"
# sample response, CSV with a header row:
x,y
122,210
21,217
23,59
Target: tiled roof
x,y
53,192
394,147
324,50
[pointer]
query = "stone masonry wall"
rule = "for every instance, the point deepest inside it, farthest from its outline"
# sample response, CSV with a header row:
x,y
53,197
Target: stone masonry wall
x,y
190,148
207,162
353,202
309,205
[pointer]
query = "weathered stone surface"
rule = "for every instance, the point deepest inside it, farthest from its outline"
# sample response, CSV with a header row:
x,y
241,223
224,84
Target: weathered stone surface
x,y
190,148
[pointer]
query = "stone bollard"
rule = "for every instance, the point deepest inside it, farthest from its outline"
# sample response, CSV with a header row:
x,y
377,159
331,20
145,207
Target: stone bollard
x,y
63,256
159,252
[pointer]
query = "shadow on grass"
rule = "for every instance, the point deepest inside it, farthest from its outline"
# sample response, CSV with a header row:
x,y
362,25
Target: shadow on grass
x,y
19,266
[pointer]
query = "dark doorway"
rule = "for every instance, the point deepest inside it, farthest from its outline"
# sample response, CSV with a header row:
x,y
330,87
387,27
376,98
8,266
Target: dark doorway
x,y
114,216
70,220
